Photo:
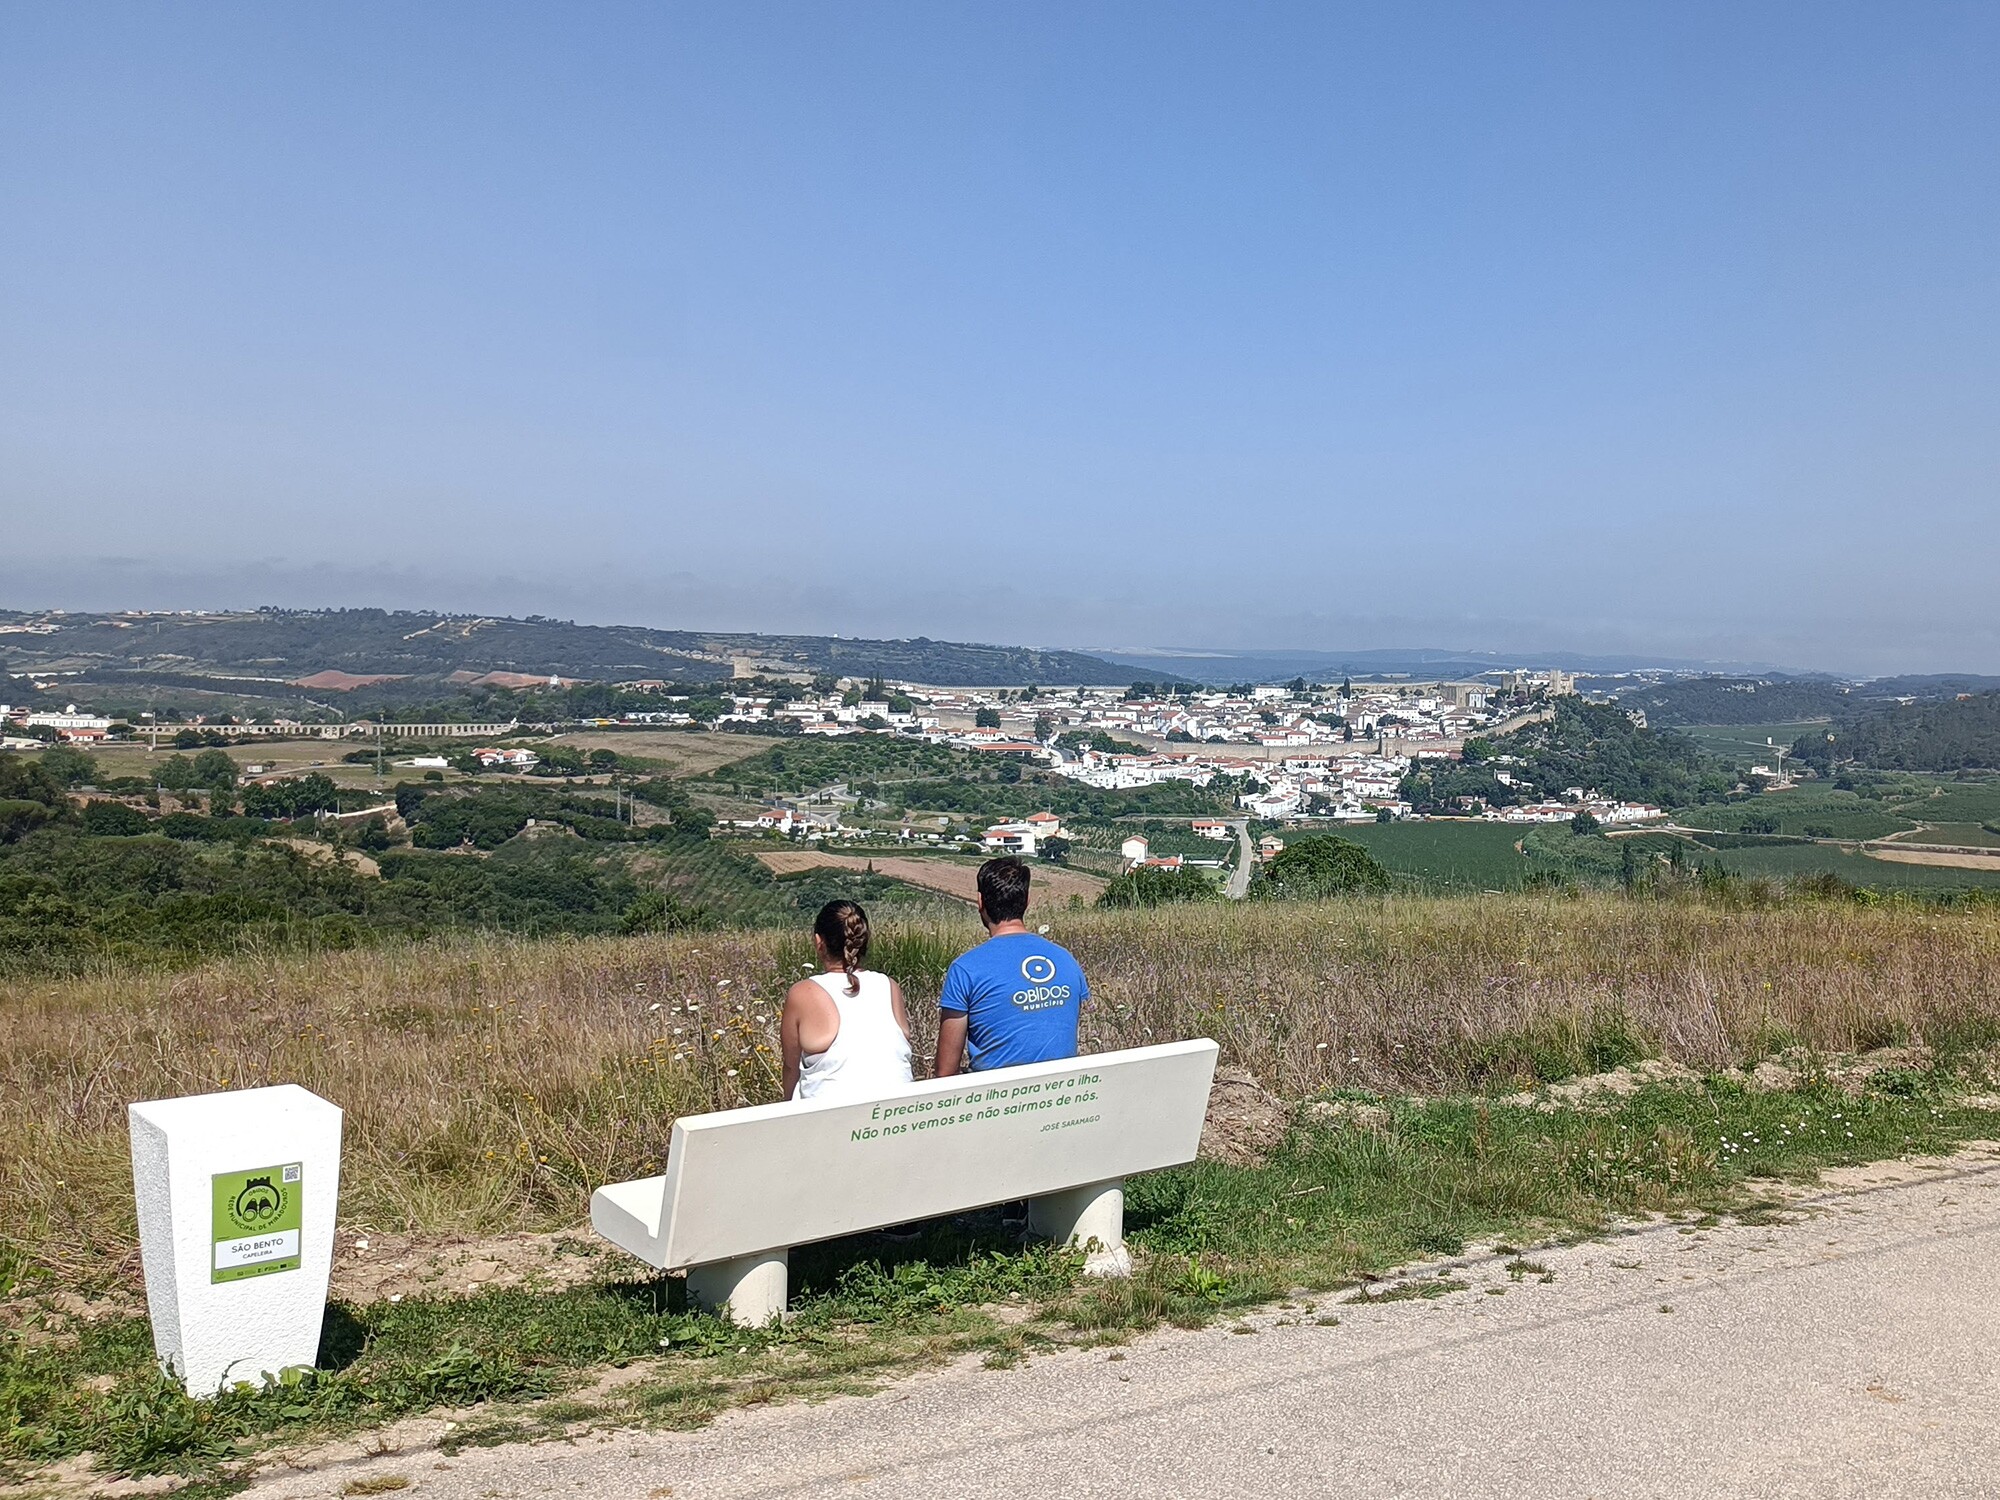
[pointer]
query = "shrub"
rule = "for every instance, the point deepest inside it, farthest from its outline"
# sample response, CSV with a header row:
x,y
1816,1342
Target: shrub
x,y
1319,865
114,818
1149,885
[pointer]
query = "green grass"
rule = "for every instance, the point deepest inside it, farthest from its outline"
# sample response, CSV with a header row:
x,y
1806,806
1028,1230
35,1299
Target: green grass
x,y
1444,856
1338,1203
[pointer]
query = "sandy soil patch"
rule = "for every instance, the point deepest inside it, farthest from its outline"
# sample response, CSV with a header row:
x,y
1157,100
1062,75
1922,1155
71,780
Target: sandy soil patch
x,y
376,1267
326,854
1050,886
1245,1122
1950,861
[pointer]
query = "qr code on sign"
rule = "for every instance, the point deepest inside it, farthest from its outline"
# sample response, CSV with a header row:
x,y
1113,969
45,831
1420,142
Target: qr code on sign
x,y
292,1172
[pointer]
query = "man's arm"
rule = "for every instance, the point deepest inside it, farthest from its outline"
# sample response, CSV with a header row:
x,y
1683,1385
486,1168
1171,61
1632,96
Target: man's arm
x,y
951,1043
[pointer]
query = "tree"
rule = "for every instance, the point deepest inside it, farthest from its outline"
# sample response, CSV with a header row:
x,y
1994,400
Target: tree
x,y
213,769
986,718
175,773
69,765
1045,726
296,798
1316,866
29,797
1582,824
1055,850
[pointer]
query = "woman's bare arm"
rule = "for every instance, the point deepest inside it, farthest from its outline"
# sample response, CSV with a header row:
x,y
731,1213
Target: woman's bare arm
x,y
788,1040
897,1009
808,1024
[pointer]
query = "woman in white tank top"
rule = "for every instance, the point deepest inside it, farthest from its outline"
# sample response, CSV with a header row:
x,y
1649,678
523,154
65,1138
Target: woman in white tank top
x,y
845,1032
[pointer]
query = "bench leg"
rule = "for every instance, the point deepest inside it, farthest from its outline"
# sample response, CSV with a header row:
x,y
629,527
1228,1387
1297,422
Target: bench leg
x,y
1090,1217
750,1291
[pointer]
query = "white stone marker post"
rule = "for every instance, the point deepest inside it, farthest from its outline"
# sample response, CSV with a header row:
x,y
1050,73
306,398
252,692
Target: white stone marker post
x,y
236,1206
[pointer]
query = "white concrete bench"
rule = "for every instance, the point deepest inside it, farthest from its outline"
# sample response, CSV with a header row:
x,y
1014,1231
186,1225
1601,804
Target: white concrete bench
x,y
745,1185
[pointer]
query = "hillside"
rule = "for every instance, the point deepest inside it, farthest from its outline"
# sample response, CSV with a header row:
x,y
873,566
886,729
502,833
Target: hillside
x,y
1959,734
272,647
1596,746
1739,700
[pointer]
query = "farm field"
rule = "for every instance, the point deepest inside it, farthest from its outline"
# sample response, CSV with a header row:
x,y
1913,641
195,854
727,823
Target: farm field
x,y
1946,859
1442,855
1935,801
1747,744
1052,886
1904,872
1964,835
1810,811
675,752
133,759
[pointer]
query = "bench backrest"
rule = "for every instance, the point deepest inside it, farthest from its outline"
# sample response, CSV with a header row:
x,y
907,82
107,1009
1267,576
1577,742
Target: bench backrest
x,y
744,1181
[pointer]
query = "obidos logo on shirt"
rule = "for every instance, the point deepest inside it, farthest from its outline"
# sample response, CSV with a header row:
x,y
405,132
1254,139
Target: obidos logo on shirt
x,y
1038,969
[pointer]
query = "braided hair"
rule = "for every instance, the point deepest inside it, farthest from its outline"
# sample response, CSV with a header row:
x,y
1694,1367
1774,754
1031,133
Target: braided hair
x,y
843,927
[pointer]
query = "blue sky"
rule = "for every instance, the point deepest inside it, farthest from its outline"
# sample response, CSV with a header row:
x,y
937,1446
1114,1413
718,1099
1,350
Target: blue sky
x,y
1611,328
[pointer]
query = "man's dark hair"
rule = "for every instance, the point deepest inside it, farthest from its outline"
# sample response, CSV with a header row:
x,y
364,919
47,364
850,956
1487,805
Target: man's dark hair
x,y
1003,888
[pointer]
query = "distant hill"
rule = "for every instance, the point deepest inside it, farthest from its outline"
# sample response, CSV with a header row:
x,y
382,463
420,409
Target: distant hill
x,y
1740,700
1958,734
1426,664
274,646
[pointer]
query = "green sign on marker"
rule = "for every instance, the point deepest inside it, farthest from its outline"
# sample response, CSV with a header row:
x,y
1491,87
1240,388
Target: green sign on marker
x,y
257,1222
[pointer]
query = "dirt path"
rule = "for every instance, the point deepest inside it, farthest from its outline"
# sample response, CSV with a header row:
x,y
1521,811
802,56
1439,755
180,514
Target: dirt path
x,y
1844,1350
1051,885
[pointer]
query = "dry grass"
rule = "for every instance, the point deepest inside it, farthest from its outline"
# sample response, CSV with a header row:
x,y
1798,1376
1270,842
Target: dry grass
x,y
490,1084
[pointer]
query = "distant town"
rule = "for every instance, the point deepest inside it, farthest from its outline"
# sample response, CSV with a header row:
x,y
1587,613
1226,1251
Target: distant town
x,y
1302,751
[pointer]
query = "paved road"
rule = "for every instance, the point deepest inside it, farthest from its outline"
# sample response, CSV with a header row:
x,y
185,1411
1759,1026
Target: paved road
x,y
1246,861
1849,1353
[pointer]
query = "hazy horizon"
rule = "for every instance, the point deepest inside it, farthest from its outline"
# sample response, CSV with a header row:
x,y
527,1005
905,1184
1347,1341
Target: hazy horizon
x,y
1652,330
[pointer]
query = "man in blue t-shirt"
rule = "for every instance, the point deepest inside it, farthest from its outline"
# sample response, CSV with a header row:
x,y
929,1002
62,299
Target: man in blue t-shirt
x,y
1014,998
